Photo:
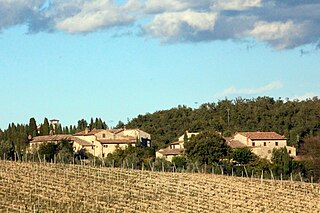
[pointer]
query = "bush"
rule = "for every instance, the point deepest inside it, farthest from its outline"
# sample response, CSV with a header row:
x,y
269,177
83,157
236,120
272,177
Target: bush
x,y
180,162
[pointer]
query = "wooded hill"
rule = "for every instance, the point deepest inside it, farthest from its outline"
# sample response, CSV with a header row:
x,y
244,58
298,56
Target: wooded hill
x,y
294,119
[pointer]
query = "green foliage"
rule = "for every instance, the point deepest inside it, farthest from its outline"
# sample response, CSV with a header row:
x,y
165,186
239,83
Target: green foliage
x,y
311,151
282,162
185,138
206,148
259,165
45,127
58,129
161,164
295,119
242,155
82,124
65,151
180,162
61,152
6,150
32,128
132,156
48,151
17,137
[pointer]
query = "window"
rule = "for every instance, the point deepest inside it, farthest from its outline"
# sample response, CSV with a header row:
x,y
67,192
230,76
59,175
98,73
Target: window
x,y
103,155
92,147
269,151
276,143
289,151
103,135
264,143
105,146
253,143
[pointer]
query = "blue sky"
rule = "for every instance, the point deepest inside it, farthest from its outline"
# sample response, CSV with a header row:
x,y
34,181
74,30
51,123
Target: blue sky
x,y
115,60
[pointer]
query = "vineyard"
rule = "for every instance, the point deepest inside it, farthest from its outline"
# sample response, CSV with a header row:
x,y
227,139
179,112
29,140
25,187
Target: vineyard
x,y
38,187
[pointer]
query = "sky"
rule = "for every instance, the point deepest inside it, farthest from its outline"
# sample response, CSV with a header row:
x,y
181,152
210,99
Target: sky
x,y
77,59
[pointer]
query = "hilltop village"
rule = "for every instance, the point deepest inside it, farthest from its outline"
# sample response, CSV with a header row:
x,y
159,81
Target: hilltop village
x,y
101,142
241,137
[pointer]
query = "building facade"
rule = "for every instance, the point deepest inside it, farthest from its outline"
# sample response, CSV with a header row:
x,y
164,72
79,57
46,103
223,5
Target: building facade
x,y
175,148
262,143
98,142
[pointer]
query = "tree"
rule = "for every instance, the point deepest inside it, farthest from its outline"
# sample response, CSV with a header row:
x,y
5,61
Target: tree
x,y
6,150
206,148
180,162
32,128
62,151
45,127
65,151
311,154
282,162
242,155
119,125
48,151
92,125
82,124
58,129
185,137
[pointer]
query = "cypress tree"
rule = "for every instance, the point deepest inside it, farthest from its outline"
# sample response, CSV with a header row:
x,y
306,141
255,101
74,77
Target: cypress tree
x,y
45,128
32,127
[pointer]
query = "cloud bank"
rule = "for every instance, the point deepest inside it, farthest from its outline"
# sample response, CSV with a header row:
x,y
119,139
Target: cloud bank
x,y
282,24
233,91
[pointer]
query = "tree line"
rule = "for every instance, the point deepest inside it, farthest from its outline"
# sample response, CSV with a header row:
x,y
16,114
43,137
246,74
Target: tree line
x,y
294,119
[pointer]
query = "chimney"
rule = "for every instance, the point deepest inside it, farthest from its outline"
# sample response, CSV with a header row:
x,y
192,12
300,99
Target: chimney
x,y
86,130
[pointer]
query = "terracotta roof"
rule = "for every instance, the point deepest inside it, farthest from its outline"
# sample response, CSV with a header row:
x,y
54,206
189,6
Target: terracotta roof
x,y
117,141
235,144
115,130
263,135
168,151
79,133
48,138
92,132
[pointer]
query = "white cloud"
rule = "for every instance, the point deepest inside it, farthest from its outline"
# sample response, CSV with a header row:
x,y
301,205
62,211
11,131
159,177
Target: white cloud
x,y
282,24
156,6
279,34
308,95
93,15
235,4
250,91
179,25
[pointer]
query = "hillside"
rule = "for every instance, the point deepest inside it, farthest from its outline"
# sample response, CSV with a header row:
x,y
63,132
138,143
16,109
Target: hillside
x,y
294,119
75,188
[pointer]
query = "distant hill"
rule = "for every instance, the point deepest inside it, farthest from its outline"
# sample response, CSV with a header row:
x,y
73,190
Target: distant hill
x,y
294,119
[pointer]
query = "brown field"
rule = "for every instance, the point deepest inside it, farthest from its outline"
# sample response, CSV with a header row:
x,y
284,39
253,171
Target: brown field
x,y
35,187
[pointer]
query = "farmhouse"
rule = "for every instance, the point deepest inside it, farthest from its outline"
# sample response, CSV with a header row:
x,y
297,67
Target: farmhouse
x,y
175,148
261,143
77,143
99,142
